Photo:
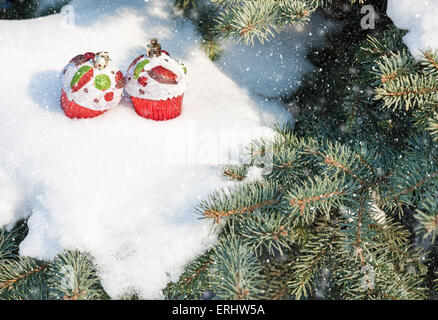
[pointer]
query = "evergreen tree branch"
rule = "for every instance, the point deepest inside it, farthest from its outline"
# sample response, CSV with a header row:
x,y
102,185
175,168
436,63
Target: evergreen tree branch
x,y
311,259
73,276
194,280
318,196
235,272
23,279
226,203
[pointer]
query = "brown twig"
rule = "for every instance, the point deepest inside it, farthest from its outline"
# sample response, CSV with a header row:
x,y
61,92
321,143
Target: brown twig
x,y
218,215
10,283
303,202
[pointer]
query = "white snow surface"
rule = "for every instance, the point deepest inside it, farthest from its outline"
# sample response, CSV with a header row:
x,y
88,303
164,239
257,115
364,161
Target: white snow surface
x,y
420,18
120,186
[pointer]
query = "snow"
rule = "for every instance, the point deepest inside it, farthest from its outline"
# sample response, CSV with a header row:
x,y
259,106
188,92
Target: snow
x,y
119,186
10,199
419,17
254,174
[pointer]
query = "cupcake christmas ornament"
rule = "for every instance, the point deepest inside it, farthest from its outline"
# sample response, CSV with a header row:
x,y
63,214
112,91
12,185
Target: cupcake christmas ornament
x,y
90,85
156,83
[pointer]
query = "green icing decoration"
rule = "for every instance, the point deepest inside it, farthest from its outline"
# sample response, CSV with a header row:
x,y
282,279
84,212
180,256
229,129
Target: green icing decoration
x,y
102,82
139,68
79,74
184,67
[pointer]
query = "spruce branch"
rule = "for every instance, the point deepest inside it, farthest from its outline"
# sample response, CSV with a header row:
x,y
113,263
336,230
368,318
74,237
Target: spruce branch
x,y
318,195
337,158
235,272
265,234
9,240
408,91
251,19
392,243
194,280
23,279
288,165
424,116
73,276
429,61
236,173
435,282
399,286
276,275
393,66
375,48
226,3
356,227
411,177
246,20
393,269
427,217
240,200
296,12
313,255
206,27
7,246
433,126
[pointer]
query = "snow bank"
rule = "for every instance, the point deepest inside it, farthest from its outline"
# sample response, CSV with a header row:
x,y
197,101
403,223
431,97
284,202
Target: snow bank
x,y
119,186
10,199
420,18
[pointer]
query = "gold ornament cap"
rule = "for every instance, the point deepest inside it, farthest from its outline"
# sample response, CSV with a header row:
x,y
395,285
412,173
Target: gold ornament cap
x,y
153,48
101,60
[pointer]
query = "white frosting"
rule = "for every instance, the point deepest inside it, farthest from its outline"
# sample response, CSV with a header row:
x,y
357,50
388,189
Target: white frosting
x,y
88,99
155,90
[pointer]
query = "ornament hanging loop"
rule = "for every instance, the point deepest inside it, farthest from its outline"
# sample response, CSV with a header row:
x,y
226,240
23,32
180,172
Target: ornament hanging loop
x,y
153,48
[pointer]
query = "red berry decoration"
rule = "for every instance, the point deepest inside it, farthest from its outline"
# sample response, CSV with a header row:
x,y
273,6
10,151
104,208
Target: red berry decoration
x,y
89,56
109,96
120,80
119,76
143,81
162,75
82,58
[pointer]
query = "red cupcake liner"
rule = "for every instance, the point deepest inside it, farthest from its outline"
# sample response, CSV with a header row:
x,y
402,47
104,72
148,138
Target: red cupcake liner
x,y
75,111
159,110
